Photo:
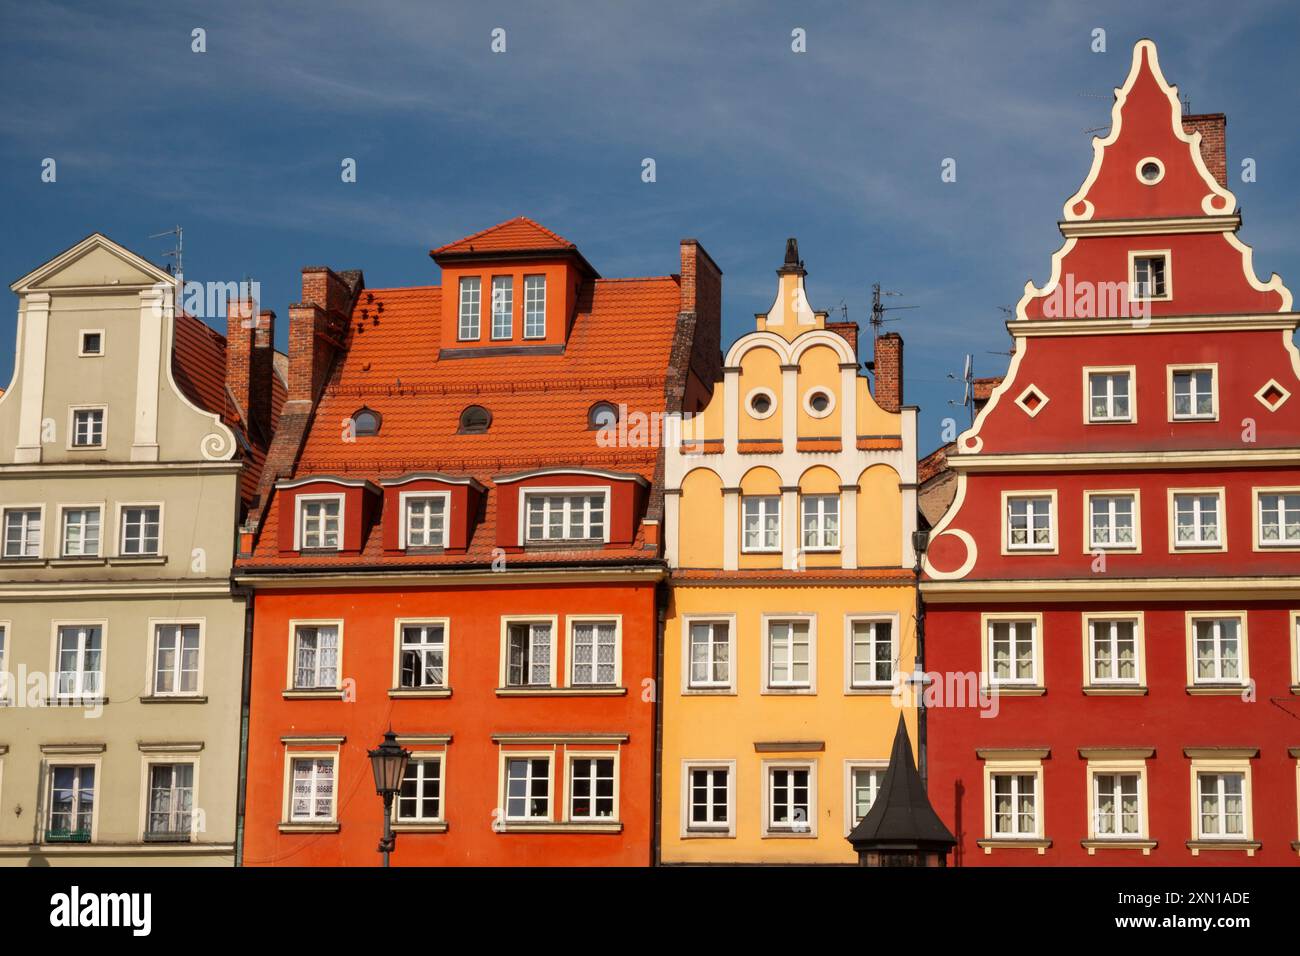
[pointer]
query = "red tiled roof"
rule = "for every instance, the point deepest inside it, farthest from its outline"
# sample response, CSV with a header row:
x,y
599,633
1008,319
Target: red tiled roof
x,y
618,350
934,463
513,235
982,388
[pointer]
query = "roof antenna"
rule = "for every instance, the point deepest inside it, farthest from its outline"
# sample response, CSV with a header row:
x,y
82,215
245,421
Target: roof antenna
x,y
1187,105
968,380
878,310
177,268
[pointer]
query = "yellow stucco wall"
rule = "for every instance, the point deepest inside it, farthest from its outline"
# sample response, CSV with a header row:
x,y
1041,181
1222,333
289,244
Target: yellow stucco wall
x,y
880,518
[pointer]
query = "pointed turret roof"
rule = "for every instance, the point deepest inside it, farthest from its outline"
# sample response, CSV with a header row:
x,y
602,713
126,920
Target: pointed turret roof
x,y
901,818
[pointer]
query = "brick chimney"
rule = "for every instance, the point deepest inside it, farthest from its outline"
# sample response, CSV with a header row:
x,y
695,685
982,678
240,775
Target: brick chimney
x,y
888,364
249,358
847,331
699,324
318,329
1213,128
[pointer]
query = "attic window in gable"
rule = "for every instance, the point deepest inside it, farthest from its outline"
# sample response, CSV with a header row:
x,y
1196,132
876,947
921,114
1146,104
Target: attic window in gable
x,y
475,420
365,421
1150,171
602,415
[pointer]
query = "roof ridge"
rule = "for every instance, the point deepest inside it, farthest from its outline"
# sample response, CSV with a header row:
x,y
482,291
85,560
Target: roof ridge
x,y
469,240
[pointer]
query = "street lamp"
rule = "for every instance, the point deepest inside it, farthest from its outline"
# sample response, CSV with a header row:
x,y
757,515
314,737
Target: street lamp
x,y
388,761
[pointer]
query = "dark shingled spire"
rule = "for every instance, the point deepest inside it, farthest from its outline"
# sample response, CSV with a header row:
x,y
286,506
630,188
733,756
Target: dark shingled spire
x,y
902,818
792,261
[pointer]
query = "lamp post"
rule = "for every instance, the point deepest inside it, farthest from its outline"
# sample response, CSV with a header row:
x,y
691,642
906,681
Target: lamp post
x,y
388,761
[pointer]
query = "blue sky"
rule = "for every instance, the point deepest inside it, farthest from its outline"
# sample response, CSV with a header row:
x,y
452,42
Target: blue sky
x,y
840,146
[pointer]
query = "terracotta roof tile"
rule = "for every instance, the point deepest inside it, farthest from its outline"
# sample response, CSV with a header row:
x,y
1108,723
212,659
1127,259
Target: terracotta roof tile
x,y
513,235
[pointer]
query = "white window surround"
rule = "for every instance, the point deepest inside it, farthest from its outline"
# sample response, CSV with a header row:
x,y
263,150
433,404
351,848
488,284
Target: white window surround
x,y
72,427
1295,654
1200,524
1033,683
81,343
822,525
503,307
765,507
1135,496
425,757
1032,391
534,307
62,529
506,818
291,757
1137,683
119,535
1160,166
300,500
749,403
404,498
399,626
853,686
690,830
1228,684
1015,769
44,533
812,393
151,669
1283,543
766,685
571,622
850,797
1171,371
55,627
798,828
571,756
563,491
503,675
291,672
1133,256
153,759
1117,768
1051,546
1222,766
83,760
1283,394
469,309
1110,395
689,686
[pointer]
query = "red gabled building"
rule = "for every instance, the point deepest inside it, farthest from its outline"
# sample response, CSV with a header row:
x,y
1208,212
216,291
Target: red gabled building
x,y
1121,562
460,541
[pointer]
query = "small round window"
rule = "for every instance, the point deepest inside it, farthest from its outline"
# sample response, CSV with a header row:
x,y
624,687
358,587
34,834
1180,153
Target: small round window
x,y
602,415
365,421
761,402
818,402
1150,171
475,419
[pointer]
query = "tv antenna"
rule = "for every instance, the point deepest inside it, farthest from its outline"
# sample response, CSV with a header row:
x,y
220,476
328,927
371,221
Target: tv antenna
x,y
968,381
878,309
178,252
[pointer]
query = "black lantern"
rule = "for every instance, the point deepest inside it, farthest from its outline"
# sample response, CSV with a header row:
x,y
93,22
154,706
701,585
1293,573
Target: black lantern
x,y
920,541
388,761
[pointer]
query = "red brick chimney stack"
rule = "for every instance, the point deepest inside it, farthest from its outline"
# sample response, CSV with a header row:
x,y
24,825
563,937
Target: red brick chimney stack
x,y
889,371
1213,128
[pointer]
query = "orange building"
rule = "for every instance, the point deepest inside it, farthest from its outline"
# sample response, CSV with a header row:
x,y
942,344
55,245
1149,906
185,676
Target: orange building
x,y
460,541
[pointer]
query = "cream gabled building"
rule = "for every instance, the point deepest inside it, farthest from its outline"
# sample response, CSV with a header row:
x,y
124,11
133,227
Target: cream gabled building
x,y
124,435
790,503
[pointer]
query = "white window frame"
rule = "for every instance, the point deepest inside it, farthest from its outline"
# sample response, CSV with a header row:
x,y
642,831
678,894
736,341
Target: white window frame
x,y
287,816
763,502
567,493
78,760
503,676
688,828
1232,685
1052,546
1109,371
504,784
299,520
4,531
1090,621
1092,544
405,500
120,535
571,623
851,683
155,759
469,308
509,311
1117,768
80,693
1225,766
72,427
151,679
399,643
81,343
438,757
1133,257
570,778
1221,515
97,506
1171,372
768,685
710,686
1016,769
292,675
851,768
1257,498
1003,685
820,515
530,286
770,827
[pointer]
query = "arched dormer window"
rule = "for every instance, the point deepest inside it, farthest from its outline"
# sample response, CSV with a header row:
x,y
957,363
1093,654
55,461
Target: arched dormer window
x,y
475,420
366,421
602,415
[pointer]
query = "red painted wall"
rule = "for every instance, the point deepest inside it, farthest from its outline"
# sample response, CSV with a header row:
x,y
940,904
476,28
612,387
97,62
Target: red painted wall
x,y
472,714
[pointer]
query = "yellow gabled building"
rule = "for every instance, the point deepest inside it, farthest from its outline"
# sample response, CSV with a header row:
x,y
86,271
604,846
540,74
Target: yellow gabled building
x,y
790,503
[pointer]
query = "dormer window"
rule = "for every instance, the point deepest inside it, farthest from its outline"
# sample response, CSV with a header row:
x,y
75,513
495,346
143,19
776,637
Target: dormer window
x,y
561,515
534,307
365,422
475,420
320,522
503,307
471,296
424,518
602,415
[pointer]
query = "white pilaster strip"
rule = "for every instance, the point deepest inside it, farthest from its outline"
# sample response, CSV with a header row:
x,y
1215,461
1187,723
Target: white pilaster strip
x,y
155,316
33,329
848,527
730,529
